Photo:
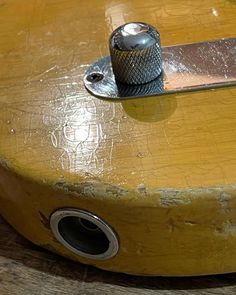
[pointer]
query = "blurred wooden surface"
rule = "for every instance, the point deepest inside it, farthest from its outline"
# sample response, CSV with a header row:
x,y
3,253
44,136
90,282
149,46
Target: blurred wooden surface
x,y
27,269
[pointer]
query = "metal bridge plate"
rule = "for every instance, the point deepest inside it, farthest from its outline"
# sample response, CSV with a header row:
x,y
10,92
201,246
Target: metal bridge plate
x,y
187,67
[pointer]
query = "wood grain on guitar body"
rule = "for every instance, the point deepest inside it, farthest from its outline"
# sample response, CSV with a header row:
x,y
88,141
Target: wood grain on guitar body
x,y
151,182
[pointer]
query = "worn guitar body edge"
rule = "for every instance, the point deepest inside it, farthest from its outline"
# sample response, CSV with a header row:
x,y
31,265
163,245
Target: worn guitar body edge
x,y
166,221
161,172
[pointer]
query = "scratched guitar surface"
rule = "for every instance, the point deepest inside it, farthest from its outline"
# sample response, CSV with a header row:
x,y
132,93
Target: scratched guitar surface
x,y
50,125
52,130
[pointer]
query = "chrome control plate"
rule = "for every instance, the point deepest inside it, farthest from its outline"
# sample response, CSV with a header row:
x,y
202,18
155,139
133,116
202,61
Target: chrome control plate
x,y
187,67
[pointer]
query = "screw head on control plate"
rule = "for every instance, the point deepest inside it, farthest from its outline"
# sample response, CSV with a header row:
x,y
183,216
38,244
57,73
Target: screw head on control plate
x,y
135,53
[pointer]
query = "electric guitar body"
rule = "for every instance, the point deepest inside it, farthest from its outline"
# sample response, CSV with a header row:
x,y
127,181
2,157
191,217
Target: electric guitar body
x,y
142,186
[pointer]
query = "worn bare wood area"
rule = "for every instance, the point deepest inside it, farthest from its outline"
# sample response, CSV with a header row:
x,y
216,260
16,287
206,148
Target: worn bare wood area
x,y
27,269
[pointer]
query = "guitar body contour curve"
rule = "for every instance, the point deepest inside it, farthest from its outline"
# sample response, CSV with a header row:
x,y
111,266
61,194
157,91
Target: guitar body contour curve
x,y
143,186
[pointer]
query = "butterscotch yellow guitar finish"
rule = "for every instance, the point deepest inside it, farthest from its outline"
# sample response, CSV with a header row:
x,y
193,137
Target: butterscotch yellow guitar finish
x,y
161,172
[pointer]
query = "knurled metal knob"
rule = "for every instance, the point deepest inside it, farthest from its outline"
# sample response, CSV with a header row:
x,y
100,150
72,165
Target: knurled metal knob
x,y
135,53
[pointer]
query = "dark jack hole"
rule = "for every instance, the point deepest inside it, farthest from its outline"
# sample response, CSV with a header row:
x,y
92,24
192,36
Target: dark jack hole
x,y
83,235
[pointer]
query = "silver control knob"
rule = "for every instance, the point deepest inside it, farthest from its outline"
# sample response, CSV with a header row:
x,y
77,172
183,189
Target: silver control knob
x,y
135,53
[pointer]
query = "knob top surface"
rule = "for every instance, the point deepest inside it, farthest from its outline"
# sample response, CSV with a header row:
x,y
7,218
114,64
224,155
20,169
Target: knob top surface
x,y
133,37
